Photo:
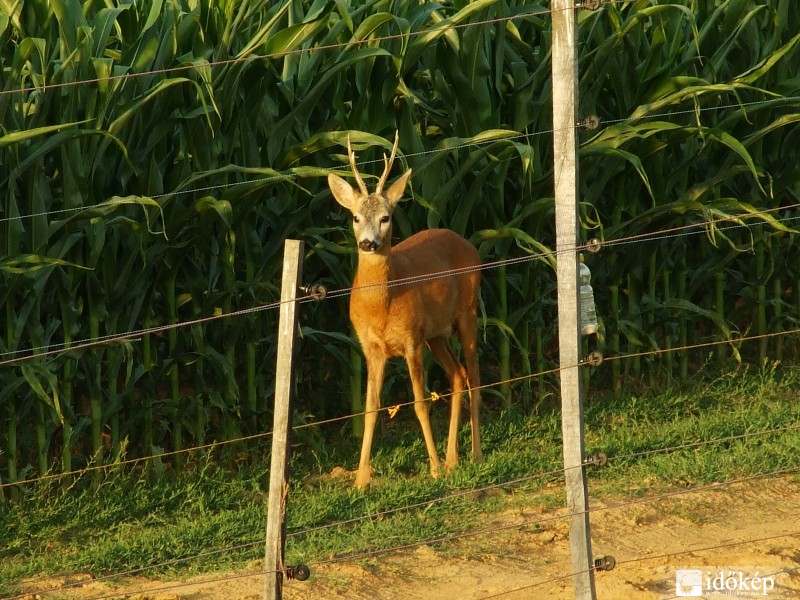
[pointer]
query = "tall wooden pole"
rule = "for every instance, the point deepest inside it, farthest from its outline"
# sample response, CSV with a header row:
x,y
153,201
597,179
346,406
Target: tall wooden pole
x,y
565,147
281,429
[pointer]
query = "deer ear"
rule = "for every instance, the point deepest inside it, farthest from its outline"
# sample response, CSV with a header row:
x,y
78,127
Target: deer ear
x,y
395,191
342,191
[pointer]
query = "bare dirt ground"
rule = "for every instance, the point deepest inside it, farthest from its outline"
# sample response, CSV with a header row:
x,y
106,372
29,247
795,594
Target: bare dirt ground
x,y
751,527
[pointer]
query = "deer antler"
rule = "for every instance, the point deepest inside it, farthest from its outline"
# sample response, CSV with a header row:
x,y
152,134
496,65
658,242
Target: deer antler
x,y
387,164
352,155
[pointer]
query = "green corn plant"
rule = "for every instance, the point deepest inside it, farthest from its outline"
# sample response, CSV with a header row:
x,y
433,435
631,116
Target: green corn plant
x,y
218,123
653,87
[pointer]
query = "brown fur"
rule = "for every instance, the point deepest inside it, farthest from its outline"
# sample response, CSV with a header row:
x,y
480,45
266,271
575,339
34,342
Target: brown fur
x,y
396,318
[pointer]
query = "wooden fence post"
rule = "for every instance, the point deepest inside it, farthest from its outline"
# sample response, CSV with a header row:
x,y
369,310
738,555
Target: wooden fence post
x,y
282,421
565,153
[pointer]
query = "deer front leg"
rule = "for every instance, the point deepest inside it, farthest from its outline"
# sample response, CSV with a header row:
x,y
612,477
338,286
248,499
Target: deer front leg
x,y
375,369
422,405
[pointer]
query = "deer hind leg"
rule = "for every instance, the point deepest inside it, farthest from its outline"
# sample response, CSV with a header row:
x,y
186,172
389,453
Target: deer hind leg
x,y
468,336
458,380
375,369
422,405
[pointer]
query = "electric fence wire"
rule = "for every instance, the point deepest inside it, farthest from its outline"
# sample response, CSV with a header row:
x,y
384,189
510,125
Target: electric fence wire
x,y
460,493
272,56
411,155
472,492
170,587
442,26
38,352
314,424
251,310
696,550
671,233
443,539
14,356
130,572
561,516
716,486
269,179
127,337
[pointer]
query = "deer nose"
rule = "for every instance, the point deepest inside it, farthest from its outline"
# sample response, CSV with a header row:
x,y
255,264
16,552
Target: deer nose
x,y
368,245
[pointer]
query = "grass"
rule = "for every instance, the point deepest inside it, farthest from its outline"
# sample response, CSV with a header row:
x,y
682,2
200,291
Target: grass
x,y
214,518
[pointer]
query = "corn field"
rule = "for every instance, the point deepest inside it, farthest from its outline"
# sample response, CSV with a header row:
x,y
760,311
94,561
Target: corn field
x,y
155,155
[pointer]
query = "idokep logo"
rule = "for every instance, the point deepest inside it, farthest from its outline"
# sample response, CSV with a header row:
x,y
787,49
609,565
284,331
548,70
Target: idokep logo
x,y
689,582
698,583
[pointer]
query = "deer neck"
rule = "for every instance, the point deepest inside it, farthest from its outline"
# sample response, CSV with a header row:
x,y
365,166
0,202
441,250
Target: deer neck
x,y
373,274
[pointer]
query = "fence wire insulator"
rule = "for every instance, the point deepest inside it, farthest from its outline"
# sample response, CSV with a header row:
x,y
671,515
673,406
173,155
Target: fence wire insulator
x,y
589,123
590,4
605,563
317,291
298,572
594,246
598,459
593,359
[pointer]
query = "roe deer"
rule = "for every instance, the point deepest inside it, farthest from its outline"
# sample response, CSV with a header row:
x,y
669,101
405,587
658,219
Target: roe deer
x,y
417,293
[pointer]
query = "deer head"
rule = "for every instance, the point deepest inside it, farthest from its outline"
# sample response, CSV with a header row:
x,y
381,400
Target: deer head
x,y
372,213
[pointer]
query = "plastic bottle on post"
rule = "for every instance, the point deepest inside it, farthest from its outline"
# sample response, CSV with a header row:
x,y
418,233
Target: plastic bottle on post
x,y
588,311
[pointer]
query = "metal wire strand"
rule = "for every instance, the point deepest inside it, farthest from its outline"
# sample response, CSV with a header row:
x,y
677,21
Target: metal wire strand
x,y
342,418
